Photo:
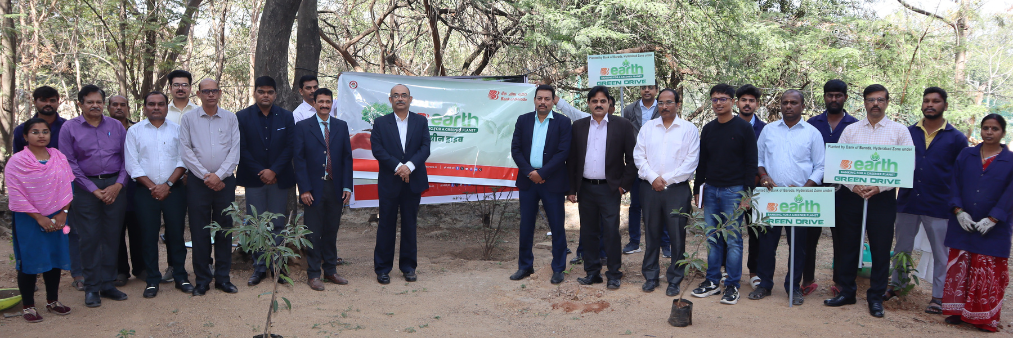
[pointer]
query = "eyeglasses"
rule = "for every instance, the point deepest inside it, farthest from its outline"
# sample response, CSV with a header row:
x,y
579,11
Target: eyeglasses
x,y
36,132
403,96
876,100
211,91
667,103
720,99
180,85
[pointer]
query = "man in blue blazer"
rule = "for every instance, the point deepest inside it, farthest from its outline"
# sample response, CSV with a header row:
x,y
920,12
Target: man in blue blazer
x,y
400,144
323,169
265,160
540,146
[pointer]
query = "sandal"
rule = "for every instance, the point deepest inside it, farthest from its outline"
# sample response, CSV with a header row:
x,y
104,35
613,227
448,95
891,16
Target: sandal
x,y
78,283
935,307
806,290
30,315
890,294
835,290
754,282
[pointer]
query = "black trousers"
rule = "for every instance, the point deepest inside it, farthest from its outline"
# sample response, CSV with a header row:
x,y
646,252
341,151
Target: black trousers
x,y
754,245
879,226
812,241
407,203
150,214
657,208
599,221
323,218
768,242
99,226
134,257
204,206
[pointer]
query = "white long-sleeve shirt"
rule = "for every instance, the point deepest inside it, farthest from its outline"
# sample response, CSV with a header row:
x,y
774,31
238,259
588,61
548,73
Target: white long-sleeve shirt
x,y
152,152
670,153
791,156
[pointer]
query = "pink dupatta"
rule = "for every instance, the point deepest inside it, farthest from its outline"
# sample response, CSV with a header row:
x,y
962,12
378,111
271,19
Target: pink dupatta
x,y
34,187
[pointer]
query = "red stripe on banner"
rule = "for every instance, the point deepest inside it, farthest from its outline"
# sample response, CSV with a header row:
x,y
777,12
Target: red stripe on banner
x,y
448,169
366,192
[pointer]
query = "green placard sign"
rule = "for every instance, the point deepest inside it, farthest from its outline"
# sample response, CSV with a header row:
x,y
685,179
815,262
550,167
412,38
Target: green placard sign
x,y
801,206
869,164
617,70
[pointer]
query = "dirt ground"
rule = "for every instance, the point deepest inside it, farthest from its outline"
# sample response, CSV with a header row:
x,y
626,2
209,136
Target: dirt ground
x,y
457,294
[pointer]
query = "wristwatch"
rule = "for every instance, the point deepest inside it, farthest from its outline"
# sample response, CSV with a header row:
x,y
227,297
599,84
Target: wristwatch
x,y
169,183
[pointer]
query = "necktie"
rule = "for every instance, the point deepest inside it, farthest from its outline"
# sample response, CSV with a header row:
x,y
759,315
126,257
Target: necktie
x,y
327,140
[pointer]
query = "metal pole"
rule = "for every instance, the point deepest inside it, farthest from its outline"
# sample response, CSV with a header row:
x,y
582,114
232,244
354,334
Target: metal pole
x,y
861,240
622,101
791,271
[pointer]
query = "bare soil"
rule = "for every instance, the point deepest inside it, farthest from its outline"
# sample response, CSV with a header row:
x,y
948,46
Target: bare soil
x,y
457,294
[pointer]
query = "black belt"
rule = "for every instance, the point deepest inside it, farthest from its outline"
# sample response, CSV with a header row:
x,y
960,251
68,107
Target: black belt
x,y
105,176
588,180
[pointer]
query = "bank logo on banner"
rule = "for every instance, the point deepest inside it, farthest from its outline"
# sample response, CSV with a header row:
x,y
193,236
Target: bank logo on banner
x,y
353,84
493,94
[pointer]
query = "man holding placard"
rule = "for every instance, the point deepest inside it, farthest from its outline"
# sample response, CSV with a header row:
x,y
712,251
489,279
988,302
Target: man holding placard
x,y
790,154
875,129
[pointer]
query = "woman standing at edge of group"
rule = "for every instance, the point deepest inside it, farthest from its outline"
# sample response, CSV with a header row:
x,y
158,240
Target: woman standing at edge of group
x,y
979,233
39,186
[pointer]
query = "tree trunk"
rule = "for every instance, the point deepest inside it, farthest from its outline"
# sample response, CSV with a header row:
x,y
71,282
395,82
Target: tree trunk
x,y
8,111
307,50
272,44
182,31
150,45
254,31
962,31
220,39
431,14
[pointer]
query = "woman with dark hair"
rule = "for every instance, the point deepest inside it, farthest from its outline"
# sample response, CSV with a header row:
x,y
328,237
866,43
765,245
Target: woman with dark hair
x,y
39,186
979,231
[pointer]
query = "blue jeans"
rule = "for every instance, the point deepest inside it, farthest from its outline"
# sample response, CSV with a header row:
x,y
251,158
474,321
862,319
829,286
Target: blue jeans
x,y
721,250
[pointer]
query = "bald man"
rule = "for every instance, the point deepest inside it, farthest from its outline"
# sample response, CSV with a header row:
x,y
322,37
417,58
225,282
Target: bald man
x,y
119,109
209,147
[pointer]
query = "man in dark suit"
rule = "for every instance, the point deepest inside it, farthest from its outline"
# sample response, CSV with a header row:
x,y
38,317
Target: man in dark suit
x,y
266,133
540,146
323,168
601,171
400,144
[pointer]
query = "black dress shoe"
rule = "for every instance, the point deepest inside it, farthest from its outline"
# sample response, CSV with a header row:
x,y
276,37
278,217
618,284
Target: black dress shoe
x,y
521,274
649,285
383,278
613,284
588,280
557,277
410,276
226,287
876,309
840,300
200,289
256,278
92,299
113,294
672,290
184,285
151,290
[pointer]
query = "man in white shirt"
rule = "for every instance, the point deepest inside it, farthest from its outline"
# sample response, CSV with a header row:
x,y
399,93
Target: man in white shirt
x,y
666,155
308,85
789,154
640,113
151,157
180,82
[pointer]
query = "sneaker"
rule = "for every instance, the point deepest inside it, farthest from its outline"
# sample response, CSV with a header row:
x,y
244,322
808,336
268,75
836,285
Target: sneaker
x,y
705,289
30,315
759,293
731,295
58,308
631,248
666,251
167,276
797,298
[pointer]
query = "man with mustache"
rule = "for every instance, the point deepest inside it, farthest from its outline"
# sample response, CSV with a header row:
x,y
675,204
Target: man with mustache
x,y
876,129
93,144
323,169
540,147
748,101
266,134
119,109
831,124
666,155
152,159
601,170
180,82
639,113
401,147
791,154
937,145
209,147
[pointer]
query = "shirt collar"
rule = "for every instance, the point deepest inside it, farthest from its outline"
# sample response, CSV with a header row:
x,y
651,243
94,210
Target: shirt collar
x,y
547,117
661,123
604,120
643,107
319,120
866,122
218,110
398,119
921,124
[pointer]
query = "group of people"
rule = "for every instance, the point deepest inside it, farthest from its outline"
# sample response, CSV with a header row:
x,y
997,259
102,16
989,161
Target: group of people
x,y
962,196
186,160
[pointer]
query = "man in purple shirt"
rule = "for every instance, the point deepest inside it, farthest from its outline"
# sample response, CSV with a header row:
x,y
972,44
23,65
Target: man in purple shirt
x,y
93,144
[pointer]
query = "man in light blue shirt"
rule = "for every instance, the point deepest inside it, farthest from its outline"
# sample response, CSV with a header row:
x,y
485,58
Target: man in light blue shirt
x,y
790,153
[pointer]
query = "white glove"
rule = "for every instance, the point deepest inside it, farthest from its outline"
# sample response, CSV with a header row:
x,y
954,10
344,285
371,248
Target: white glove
x,y
966,221
984,225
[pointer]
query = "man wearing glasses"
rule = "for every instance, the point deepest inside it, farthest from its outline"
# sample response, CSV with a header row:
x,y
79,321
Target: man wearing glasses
x,y
209,146
179,87
727,167
877,129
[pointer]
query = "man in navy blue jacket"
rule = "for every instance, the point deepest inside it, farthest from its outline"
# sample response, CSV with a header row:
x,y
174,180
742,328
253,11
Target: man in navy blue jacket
x,y
937,145
266,133
540,147
400,145
323,169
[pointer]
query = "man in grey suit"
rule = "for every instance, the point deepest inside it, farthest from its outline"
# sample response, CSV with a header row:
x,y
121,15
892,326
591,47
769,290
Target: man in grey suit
x,y
639,112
